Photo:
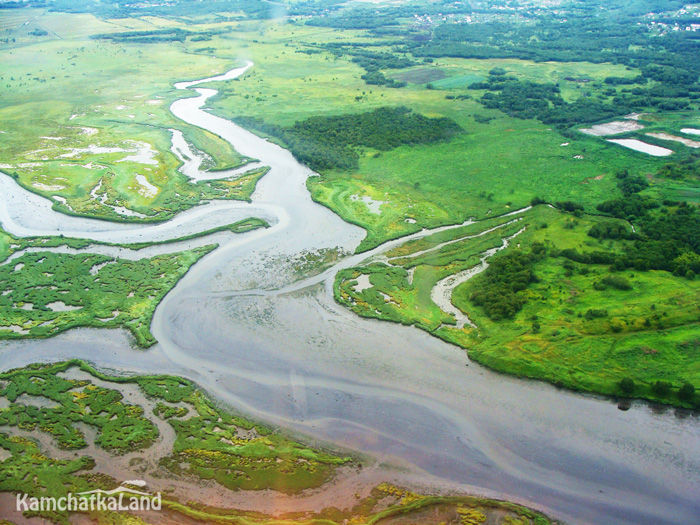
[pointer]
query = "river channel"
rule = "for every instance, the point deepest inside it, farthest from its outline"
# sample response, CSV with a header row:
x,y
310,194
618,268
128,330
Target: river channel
x,y
273,344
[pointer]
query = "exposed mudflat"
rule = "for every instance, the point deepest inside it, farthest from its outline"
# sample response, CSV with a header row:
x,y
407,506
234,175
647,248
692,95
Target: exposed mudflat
x,y
638,145
243,326
613,128
666,136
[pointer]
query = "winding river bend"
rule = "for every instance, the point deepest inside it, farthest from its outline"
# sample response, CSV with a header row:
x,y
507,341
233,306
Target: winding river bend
x,y
245,328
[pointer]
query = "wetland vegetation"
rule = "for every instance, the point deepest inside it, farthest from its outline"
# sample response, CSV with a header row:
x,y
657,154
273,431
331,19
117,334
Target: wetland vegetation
x,y
414,115
72,407
46,293
465,136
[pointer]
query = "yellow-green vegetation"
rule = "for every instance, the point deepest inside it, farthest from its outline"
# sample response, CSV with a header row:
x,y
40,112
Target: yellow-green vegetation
x,y
540,312
211,442
64,400
46,293
399,289
87,123
121,426
386,505
103,193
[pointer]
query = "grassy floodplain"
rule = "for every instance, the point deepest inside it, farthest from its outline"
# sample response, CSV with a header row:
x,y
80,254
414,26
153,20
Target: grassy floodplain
x,y
86,121
571,331
80,409
489,167
401,292
576,333
496,164
45,293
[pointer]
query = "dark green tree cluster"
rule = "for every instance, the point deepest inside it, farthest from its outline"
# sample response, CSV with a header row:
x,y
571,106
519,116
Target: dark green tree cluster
x,y
499,290
146,37
688,168
663,389
371,61
668,239
325,143
611,230
630,208
528,100
377,78
630,184
625,81
617,281
569,206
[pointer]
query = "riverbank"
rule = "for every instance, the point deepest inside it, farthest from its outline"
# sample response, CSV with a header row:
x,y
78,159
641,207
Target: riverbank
x,y
298,360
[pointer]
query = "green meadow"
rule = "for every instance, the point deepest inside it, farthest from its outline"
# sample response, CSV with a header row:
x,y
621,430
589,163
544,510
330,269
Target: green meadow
x,y
493,166
574,332
87,124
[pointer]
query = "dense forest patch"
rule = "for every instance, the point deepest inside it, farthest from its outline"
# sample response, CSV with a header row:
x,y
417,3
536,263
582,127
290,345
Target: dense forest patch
x,y
325,143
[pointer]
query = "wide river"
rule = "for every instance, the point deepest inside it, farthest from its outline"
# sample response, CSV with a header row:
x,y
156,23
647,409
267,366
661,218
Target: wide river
x,y
246,328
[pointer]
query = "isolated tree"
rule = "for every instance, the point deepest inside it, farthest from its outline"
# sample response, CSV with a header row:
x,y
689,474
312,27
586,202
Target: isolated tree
x,y
661,388
627,386
686,392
